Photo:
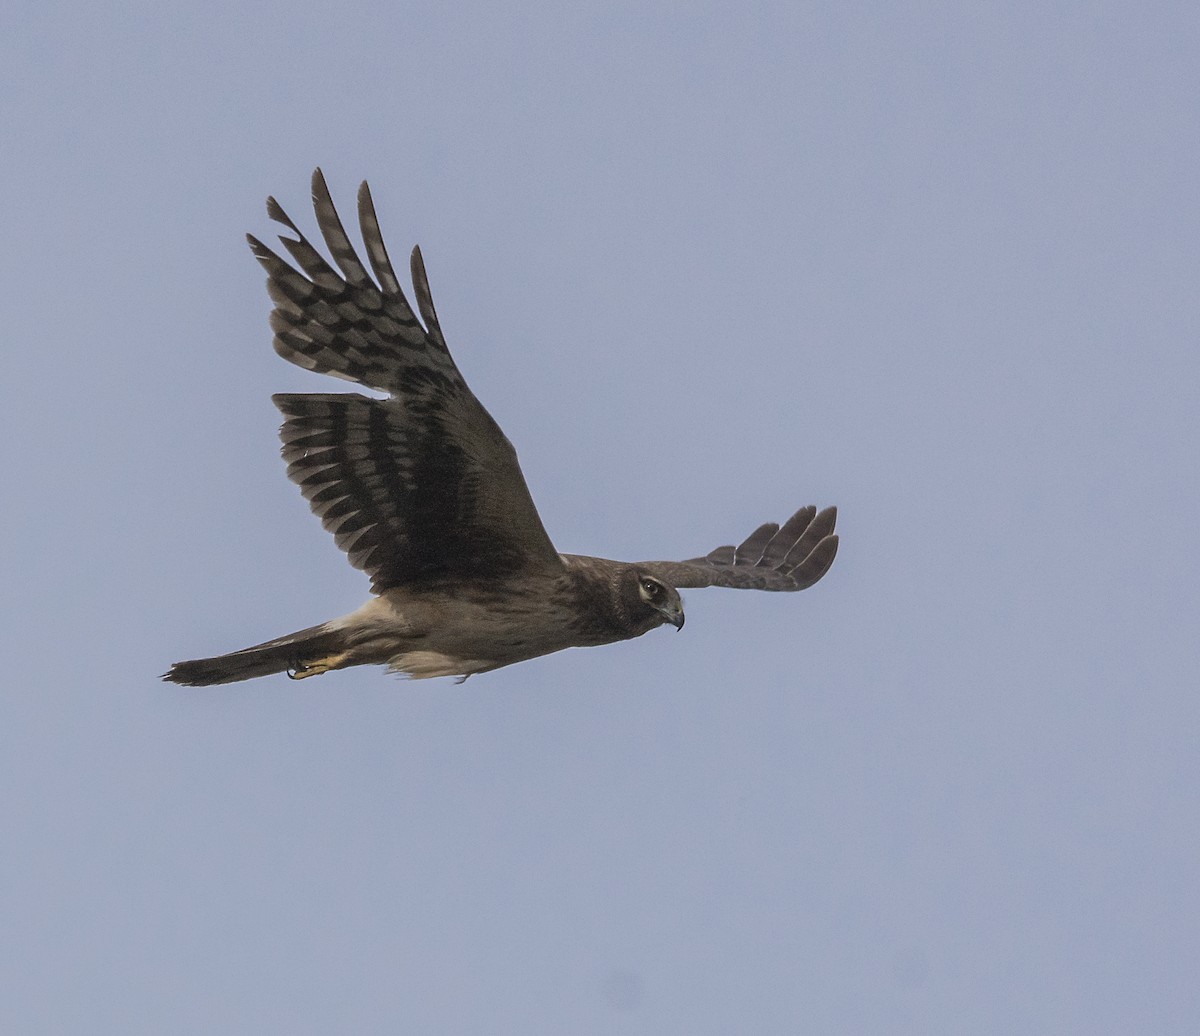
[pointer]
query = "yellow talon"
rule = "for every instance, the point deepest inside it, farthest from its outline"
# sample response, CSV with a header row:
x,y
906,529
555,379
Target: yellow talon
x,y
302,670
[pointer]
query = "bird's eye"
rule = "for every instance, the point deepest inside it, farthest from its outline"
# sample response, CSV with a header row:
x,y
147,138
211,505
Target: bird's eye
x,y
652,589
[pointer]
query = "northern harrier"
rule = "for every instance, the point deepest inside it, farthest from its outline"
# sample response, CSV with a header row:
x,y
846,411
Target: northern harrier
x,y
423,492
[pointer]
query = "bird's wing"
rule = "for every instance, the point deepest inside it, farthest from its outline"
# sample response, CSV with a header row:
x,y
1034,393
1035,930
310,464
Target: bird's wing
x,y
788,557
423,484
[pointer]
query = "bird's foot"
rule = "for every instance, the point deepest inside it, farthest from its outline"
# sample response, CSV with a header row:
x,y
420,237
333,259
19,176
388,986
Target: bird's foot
x,y
300,670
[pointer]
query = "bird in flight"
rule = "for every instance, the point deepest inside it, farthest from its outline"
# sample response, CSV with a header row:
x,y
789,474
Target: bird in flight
x,y
423,492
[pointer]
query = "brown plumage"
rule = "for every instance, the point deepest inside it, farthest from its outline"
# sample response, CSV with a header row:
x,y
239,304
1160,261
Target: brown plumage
x,y
424,493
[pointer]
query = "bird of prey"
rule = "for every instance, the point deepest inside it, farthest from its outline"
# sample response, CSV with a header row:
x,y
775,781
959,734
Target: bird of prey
x,y
423,492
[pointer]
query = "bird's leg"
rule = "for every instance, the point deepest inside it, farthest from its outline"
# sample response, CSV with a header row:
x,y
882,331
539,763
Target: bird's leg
x,y
300,670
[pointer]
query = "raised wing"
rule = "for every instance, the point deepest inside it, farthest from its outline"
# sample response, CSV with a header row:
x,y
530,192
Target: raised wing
x,y
791,557
423,484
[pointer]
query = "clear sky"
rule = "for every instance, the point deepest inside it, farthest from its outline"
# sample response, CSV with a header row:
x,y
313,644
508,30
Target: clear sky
x,y
934,263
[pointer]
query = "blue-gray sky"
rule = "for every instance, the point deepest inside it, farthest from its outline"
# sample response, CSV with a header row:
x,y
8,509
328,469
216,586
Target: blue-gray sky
x,y
935,263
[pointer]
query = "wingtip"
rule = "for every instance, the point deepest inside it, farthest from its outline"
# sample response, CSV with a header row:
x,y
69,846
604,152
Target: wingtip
x,y
260,251
320,190
820,559
830,543
416,265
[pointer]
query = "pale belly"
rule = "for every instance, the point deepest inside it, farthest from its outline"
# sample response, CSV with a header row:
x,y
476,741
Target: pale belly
x,y
426,637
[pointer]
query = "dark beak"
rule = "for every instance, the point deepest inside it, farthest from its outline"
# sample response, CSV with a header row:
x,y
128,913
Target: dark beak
x,y
675,618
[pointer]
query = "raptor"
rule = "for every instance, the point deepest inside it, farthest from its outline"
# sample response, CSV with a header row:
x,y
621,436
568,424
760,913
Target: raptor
x,y
423,492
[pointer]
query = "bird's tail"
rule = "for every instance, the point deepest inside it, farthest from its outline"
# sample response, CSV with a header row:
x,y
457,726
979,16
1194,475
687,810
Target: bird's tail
x,y
306,653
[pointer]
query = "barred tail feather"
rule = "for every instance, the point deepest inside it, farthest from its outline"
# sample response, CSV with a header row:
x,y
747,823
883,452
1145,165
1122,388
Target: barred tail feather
x,y
274,656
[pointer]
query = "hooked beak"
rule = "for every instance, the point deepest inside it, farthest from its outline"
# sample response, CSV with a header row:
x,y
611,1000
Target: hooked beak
x,y
674,615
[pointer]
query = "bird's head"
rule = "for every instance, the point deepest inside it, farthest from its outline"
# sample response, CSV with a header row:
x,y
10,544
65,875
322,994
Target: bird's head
x,y
655,602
